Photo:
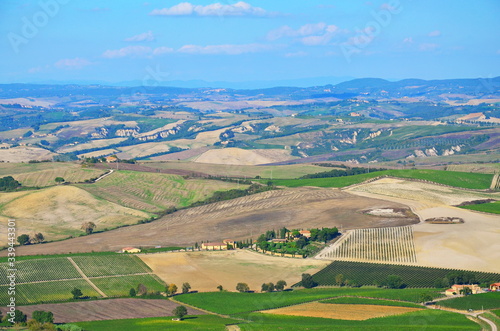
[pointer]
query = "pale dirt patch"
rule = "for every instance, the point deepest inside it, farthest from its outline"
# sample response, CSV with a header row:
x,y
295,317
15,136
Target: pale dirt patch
x,y
238,156
473,245
59,211
204,271
340,311
25,154
97,143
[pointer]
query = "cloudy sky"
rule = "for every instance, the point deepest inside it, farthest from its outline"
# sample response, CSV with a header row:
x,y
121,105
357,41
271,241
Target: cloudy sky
x,y
254,40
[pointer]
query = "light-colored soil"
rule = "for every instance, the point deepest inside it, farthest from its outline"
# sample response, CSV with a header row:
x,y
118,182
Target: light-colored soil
x,y
238,156
59,211
342,312
105,309
98,143
25,154
238,219
473,245
204,271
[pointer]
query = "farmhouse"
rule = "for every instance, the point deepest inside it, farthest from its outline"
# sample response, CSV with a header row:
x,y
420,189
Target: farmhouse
x,y
130,250
111,159
455,289
229,242
495,287
214,246
279,241
305,233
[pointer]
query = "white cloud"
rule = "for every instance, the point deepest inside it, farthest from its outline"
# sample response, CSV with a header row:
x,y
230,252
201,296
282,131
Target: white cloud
x,y
146,36
163,50
408,40
133,51
435,33
216,9
224,49
76,63
308,34
428,47
296,54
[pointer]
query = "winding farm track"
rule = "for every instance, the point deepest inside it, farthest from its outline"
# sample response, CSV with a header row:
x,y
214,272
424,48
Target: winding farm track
x,y
98,290
491,323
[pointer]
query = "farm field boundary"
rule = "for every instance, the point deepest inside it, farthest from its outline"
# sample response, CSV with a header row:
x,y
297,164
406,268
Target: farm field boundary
x,y
361,273
51,279
393,245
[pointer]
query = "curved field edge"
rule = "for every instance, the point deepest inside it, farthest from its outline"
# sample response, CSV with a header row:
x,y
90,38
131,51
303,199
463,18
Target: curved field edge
x,y
451,178
489,300
235,303
190,322
351,300
365,273
491,207
425,319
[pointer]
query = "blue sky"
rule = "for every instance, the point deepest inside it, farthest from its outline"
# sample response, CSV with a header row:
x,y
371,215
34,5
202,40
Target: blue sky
x,y
155,41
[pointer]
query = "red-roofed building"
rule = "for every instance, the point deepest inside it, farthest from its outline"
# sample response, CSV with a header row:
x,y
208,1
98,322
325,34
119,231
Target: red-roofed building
x,y
495,287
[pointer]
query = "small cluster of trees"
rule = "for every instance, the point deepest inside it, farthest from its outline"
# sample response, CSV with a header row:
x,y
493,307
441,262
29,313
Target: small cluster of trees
x,y
270,287
88,227
8,183
40,320
296,243
25,239
460,278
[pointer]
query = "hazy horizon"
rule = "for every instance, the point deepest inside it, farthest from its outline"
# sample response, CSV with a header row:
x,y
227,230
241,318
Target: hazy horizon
x,y
252,41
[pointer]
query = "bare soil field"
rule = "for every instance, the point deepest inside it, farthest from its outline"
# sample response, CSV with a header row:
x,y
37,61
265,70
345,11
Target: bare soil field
x,y
105,309
342,312
25,154
59,211
206,270
472,245
238,156
239,219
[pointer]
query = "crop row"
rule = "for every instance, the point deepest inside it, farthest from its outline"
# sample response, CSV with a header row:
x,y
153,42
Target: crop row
x,y
109,265
376,273
39,270
46,292
380,244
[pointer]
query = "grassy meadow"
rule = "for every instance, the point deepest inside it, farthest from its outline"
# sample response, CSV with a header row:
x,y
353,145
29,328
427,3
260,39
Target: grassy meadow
x,y
491,207
456,179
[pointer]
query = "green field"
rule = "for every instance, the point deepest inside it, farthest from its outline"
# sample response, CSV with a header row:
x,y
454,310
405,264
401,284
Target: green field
x,y
375,273
43,174
487,300
120,286
109,265
234,303
50,279
496,312
365,301
242,171
154,192
46,292
491,207
40,270
420,320
451,178
190,323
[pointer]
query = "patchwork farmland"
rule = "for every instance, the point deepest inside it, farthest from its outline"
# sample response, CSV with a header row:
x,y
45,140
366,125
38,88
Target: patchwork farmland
x,y
52,279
